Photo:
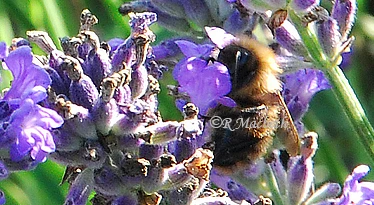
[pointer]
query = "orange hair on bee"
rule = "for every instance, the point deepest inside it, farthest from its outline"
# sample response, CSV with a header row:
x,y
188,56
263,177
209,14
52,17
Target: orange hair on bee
x,y
266,78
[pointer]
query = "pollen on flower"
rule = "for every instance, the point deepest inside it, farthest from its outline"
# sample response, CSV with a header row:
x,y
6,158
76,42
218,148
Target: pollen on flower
x,y
199,164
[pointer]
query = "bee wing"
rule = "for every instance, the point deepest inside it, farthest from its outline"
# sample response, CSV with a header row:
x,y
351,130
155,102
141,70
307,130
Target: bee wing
x,y
287,132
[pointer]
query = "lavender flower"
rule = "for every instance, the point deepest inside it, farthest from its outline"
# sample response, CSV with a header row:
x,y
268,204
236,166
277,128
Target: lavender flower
x,y
29,125
30,81
205,83
176,15
355,192
113,139
288,37
344,13
298,90
301,6
25,136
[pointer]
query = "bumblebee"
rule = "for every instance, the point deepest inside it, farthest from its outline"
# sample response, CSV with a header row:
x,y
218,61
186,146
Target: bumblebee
x,y
247,130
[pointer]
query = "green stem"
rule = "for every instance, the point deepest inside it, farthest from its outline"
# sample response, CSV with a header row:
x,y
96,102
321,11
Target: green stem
x,y
341,88
271,181
352,107
310,41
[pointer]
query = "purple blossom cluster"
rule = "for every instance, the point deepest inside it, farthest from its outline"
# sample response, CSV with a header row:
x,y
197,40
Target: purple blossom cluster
x,y
26,126
93,106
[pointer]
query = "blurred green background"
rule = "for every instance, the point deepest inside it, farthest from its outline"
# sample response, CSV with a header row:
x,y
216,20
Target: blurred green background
x,y
339,150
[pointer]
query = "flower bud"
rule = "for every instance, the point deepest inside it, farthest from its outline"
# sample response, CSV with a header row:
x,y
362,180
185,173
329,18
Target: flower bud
x,y
344,12
236,23
3,172
149,152
184,148
163,132
327,191
97,66
3,50
139,82
300,178
80,123
172,7
186,193
197,11
300,174
304,6
65,140
91,155
329,37
18,42
279,171
288,37
122,56
80,189
42,39
219,9
237,192
83,92
108,182
59,85
128,200
105,115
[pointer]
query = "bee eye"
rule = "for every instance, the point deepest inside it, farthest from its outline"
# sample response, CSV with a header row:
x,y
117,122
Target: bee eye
x,y
242,58
242,64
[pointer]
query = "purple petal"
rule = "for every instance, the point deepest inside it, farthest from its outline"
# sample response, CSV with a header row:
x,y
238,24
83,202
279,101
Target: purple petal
x,y
300,87
26,75
355,192
190,49
204,84
219,36
188,69
235,190
165,49
352,180
226,101
31,124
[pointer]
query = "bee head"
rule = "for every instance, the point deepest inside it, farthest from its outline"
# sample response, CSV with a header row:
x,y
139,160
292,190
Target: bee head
x,y
252,67
241,63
